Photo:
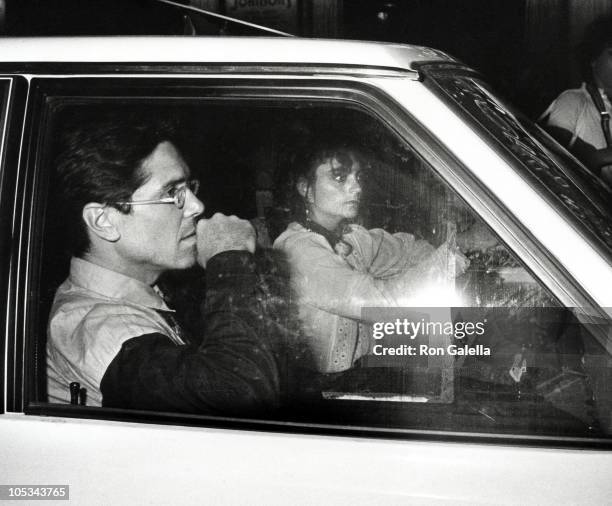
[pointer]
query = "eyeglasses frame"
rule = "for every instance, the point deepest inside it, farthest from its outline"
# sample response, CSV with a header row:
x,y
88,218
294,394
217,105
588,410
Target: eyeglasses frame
x,y
193,185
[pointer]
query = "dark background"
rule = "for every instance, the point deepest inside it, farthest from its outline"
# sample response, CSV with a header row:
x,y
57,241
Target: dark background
x,y
525,48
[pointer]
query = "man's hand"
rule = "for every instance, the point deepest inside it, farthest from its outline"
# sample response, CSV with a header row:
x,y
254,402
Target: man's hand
x,y
223,233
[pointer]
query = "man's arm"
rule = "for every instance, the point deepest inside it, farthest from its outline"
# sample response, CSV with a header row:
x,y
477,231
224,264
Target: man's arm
x,y
594,159
232,371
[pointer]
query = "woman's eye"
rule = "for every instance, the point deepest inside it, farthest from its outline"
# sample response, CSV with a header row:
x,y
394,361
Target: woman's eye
x,y
339,175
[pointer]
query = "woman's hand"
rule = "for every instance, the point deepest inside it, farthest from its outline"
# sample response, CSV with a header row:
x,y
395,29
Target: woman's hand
x,y
461,263
476,238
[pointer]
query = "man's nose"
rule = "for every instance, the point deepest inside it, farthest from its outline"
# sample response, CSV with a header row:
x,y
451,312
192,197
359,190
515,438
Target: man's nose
x,y
193,205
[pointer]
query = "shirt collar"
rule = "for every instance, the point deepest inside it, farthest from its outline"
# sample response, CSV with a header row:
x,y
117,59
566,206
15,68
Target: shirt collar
x,y
602,92
114,285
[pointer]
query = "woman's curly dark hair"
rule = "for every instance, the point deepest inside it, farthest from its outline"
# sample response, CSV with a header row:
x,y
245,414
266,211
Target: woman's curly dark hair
x,y
303,162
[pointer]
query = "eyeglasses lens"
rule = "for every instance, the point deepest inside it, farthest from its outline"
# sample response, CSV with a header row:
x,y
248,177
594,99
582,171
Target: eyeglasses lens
x,y
181,194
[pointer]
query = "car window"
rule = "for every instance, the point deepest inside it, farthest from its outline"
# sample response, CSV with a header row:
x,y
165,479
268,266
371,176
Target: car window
x,y
408,314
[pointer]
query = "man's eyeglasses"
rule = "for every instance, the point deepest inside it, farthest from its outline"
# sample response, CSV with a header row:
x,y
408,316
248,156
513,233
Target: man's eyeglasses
x,y
176,195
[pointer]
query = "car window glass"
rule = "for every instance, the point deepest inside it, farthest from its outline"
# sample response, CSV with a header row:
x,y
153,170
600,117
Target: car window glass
x,y
409,264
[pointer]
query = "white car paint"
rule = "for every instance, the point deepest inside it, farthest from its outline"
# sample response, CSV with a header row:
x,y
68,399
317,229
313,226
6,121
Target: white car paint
x,y
229,50
126,463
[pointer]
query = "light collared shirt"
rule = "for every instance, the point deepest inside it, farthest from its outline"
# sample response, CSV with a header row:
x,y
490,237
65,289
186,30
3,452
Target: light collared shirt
x,y
94,312
575,112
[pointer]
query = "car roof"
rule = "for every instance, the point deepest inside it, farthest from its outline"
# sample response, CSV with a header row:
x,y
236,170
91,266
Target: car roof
x,y
247,50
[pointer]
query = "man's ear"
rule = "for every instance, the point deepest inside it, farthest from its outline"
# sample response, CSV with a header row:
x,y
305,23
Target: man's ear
x,y
98,218
303,189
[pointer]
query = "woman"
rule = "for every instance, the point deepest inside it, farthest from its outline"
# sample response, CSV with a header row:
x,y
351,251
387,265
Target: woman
x,y
339,267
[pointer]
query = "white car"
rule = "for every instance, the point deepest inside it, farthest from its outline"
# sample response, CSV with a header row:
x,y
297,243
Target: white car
x,y
528,423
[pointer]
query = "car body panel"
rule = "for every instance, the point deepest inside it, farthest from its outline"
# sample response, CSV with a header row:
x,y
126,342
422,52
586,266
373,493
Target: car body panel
x,y
240,50
126,463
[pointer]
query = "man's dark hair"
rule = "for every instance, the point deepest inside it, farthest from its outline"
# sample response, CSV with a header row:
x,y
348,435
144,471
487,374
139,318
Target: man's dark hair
x,y
100,161
597,37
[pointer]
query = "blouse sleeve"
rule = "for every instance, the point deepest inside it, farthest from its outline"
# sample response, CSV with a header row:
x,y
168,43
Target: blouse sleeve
x,y
326,280
385,255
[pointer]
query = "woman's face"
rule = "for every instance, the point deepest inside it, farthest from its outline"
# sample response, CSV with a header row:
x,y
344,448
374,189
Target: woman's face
x,y
602,69
335,193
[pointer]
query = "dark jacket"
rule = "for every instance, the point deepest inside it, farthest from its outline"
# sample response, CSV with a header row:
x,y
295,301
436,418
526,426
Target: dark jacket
x,y
229,367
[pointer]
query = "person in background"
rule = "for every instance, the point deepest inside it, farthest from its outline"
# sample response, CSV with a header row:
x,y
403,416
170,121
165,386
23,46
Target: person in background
x,y
580,118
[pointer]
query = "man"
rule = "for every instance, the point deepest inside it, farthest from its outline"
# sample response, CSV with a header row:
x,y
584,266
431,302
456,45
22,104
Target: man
x,y
133,211
579,118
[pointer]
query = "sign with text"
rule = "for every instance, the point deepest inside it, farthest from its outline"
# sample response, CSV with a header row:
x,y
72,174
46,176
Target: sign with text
x,y
278,14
